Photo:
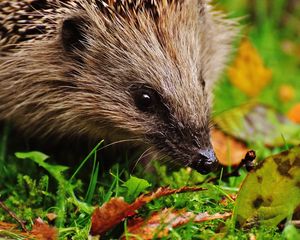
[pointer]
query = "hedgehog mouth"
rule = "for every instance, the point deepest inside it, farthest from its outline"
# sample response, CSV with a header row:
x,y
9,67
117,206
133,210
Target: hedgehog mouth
x,y
203,161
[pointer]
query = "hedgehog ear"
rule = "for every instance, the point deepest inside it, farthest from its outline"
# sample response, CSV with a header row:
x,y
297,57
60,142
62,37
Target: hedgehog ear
x,y
72,34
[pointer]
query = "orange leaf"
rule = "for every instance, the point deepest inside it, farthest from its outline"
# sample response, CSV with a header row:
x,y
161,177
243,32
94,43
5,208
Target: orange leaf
x,y
116,210
294,113
8,226
248,72
109,215
229,151
42,231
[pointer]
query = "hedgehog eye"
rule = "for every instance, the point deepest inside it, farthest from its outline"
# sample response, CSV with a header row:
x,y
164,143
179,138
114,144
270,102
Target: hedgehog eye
x,y
145,99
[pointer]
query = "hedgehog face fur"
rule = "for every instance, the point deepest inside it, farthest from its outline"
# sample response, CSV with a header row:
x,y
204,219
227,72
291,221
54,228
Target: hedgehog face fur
x,y
119,70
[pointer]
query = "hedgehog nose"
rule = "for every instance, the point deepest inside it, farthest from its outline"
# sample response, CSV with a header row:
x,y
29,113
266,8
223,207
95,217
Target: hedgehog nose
x,y
205,162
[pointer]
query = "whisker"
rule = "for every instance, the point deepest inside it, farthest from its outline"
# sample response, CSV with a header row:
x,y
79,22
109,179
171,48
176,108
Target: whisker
x,y
144,154
120,141
150,163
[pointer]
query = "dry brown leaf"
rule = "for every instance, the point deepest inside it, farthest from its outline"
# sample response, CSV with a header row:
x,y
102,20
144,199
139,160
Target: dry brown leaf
x,y
116,210
8,226
11,228
109,215
42,231
248,72
159,223
229,151
203,217
294,113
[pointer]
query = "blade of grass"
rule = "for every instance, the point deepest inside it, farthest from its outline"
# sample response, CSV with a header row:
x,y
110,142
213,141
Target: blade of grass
x,y
278,8
92,175
86,159
92,185
3,146
114,185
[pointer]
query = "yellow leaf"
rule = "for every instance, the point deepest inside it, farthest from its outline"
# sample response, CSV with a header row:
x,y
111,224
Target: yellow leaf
x,y
248,72
270,193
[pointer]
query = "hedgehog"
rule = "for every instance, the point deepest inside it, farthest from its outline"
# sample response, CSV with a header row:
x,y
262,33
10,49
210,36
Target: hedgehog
x,y
132,70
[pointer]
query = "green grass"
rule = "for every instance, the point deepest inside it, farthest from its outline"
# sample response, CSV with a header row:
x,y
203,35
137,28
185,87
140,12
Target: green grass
x,y
33,191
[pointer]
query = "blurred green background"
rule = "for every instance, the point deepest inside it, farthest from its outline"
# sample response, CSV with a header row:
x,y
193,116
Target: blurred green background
x,y
273,27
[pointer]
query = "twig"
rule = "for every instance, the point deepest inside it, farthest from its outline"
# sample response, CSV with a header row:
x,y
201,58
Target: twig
x,y
246,162
13,215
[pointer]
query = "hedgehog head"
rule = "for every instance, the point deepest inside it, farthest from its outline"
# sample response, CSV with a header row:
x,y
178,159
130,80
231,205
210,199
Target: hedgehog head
x,y
135,70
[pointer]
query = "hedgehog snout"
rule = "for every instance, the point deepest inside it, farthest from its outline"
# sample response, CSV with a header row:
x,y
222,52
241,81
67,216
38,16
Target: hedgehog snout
x,y
205,161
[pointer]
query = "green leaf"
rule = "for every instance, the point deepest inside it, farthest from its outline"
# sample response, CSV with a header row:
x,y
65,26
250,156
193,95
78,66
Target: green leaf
x,y
134,186
272,192
258,123
40,159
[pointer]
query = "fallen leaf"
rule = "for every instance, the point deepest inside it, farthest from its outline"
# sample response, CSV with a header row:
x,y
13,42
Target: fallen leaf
x,y
229,150
8,229
159,224
109,215
42,231
271,193
203,217
248,72
116,210
258,123
7,226
294,113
